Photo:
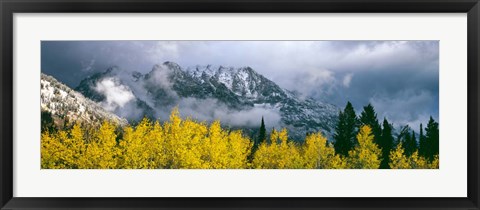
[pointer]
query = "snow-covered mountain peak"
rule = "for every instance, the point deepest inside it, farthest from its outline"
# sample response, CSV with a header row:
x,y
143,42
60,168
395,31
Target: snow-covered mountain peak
x,y
235,89
199,71
172,65
241,80
166,70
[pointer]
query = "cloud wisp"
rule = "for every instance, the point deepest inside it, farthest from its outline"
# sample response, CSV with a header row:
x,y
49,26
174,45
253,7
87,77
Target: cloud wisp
x,y
116,95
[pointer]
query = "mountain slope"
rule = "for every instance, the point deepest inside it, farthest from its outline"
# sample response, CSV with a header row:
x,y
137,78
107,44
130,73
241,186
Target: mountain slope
x,y
64,105
208,92
302,116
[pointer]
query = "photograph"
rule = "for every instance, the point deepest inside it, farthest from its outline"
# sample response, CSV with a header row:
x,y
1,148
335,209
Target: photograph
x,y
264,104
238,104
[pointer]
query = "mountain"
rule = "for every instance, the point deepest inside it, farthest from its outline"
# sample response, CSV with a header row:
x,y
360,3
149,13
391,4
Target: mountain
x,y
107,89
61,105
234,95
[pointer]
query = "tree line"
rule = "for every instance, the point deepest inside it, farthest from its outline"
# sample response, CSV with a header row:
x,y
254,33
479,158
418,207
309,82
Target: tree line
x,y
406,143
186,143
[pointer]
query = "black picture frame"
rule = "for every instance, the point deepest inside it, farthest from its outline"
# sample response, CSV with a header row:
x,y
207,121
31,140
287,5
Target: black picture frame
x,y
9,7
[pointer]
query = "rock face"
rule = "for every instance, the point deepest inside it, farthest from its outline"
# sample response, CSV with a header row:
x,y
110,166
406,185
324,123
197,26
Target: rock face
x,y
236,89
63,105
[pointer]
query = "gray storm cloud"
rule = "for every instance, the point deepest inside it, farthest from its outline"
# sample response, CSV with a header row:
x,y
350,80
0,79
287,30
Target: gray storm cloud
x,y
333,71
406,108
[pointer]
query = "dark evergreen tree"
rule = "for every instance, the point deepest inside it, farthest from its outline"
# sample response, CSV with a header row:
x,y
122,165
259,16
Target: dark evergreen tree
x,y
47,122
422,145
369,117
404,131
258,139
342,142
386,143
407,137
411,145
346,130
431,139
261,134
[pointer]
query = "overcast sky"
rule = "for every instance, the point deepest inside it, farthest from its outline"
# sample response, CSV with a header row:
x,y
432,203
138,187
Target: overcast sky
x,y
400,78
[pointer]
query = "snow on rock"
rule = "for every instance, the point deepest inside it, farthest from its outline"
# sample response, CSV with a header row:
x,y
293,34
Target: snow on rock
x,y
64,103
238,88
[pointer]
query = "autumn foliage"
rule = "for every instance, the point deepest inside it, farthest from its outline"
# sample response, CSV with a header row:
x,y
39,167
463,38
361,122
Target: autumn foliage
x,y
187,144
398,160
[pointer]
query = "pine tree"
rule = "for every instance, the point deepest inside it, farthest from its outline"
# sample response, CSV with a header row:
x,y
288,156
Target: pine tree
x,y
257,141
369,117
47,122
261,135
410,144
422,147
405,138
345,130
431,139
386,143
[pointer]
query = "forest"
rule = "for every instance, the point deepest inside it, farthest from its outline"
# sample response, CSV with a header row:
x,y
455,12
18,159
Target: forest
x,y
359,142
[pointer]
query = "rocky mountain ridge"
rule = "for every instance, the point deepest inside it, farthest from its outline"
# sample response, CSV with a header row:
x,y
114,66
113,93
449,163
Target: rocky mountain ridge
x,y
62,105
238,89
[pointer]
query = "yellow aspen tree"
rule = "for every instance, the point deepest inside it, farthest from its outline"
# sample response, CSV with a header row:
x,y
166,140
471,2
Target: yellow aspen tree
x,y
238,149
47,150
138,146
435,164
51,152
366,155
126,146
64,149
398,159
102,152
415,161
282,150
225,149
295,160
183,140
264,157
64,156
217,146
142,151
337,162
157,146
75,146
420,162
288,151
317,153
173,142
194,135
279,154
